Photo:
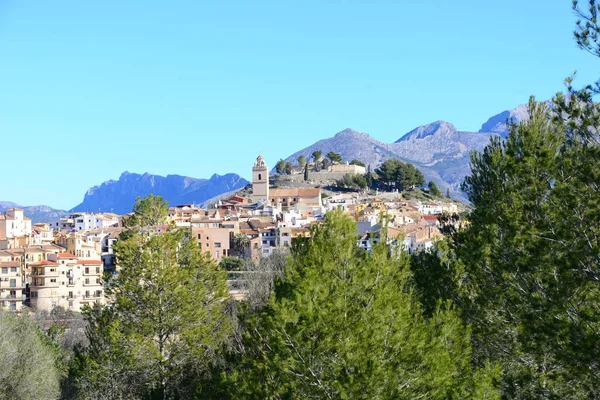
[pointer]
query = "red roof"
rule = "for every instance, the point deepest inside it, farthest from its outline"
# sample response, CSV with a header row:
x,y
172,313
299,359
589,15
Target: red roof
x,y
430,218
39,263
66,255
89,262
10,264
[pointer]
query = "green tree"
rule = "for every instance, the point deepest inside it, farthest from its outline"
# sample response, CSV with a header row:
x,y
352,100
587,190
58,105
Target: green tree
x,y
343,323
525,268
334,157
301,161
29,361
281,166
352,181
434,190
168,317
305,172
394,173
357,162
232,263
316,156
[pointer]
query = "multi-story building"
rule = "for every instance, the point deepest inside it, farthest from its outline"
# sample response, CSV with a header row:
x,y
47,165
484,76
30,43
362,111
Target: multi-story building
x,y
86,221
11,286
65,281
14,224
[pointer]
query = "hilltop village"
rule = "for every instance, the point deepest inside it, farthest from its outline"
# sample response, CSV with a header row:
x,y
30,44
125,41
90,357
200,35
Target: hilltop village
x,y
63,263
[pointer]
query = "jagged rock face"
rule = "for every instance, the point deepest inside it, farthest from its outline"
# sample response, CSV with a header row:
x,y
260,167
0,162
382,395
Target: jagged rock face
x,y
497,123
119,196
438,149
351,145
437,142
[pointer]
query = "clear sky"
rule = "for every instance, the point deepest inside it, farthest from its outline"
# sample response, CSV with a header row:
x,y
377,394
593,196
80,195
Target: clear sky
x,y
89,89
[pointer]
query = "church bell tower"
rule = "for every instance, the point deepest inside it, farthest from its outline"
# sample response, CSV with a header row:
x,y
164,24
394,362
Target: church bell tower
x,y
260,180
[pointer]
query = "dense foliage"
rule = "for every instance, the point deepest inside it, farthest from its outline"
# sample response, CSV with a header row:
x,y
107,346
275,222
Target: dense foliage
x,y
28,359
343,323
395,174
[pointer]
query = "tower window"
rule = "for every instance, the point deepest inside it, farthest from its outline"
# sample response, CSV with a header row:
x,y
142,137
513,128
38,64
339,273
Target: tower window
x,y
259,177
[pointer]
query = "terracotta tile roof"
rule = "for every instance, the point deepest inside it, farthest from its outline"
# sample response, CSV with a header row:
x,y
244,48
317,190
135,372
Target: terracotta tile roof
x,y
89,262
66,255
10,264
40,263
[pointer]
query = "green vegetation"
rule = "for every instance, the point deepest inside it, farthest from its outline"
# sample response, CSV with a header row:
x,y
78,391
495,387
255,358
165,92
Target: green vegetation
x,y
167,321
30,361
316,156
301,161
357,162
393,173
345,324
283,167
352,181
434,190
334,157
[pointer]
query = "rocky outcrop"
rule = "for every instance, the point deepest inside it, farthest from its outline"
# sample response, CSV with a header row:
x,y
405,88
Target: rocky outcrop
x,y
119,196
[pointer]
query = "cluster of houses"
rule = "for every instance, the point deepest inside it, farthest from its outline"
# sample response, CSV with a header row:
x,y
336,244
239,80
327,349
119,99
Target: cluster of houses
x,y
62,263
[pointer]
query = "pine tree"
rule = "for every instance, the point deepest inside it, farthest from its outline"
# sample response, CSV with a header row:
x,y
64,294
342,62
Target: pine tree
x,y
168,317
345,324
305,172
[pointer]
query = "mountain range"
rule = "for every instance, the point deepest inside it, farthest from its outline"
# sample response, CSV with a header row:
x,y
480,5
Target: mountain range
x,y
36,213
120,195
438,149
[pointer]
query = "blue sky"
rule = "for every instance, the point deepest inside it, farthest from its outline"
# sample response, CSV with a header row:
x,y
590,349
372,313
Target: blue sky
x,y
89,89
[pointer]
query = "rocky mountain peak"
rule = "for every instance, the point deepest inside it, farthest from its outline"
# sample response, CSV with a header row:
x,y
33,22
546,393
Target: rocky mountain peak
x,y
434,128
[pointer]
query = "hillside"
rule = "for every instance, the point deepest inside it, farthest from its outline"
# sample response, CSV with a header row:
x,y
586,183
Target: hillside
x,y
438,149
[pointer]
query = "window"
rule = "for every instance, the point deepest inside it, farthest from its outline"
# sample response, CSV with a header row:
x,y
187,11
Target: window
x,y
217,254
97,270
4,270
13,283
98,293
70,295
259,177
87,294
53,280
87,281
13,306
34,295
13,294
87,270
13,269
70,304
199,236
217,245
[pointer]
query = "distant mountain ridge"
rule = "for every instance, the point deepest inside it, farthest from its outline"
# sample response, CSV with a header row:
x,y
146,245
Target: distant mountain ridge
x,y
119,196
439,149
36,213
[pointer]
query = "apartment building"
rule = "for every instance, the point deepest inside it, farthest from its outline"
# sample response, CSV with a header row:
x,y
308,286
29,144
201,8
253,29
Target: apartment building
x,y
66,281
11,286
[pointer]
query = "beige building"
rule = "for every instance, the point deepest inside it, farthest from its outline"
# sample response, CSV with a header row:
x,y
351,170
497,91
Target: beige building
x,y
11,285
260,180
292,196
215,241
65,281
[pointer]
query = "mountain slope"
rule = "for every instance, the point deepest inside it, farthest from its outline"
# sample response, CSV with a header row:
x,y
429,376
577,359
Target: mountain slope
x,y
439,149
119,196
36,213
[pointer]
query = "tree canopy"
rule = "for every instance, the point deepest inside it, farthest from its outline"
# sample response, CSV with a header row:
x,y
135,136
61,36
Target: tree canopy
x,y
395,173
343,323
